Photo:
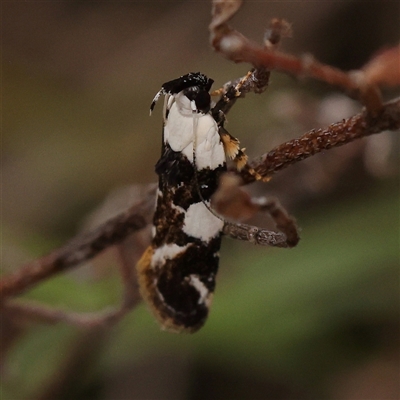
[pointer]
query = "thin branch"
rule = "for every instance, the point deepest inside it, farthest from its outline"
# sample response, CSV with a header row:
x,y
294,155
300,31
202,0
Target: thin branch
x,y
236,47
232,202
51,315
317,140
256,80
82,248
288,237
32,310
362,84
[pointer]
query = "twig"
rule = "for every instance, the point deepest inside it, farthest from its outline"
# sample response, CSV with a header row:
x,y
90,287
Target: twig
x,y
233,203
317,140
256,80
362,84
83,247
43,313
236,47
32,310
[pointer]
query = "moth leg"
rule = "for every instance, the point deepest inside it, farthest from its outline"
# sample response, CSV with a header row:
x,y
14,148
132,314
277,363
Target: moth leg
x,y
232,90
283,221
253,234
232,148
256,80
288,237
243,81
218,92
232,202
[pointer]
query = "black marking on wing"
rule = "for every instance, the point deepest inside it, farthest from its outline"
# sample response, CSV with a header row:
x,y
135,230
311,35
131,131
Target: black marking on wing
x,y
174,282
173,167
179,189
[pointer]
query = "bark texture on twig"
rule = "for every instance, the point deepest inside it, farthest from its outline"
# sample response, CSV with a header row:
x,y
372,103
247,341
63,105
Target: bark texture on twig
x,y
317,140
50,315
82,248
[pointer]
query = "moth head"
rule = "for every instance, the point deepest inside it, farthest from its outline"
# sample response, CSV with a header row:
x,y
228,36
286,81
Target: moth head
x,y
194,86
200,99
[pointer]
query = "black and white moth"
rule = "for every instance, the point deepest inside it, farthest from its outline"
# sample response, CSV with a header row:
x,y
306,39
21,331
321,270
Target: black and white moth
x,y
177,272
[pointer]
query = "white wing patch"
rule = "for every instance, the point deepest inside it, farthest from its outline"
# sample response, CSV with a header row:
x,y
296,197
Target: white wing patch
x,y
201,223
166,252
178,133
204,293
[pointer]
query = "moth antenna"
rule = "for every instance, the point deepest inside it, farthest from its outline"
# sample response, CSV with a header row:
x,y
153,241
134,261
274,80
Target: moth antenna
x,y
167,106
156,97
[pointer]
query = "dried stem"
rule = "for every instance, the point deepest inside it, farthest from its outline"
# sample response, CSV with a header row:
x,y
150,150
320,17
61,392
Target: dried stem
x,y
83,247
43,313
317,140
32,310
236,47
362,84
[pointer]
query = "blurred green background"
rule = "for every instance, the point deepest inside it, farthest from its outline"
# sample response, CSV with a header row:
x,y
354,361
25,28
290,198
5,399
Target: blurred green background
x,y
318,321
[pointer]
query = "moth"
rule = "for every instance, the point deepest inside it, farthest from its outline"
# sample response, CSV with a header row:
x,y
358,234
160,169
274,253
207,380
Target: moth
x,y
177,272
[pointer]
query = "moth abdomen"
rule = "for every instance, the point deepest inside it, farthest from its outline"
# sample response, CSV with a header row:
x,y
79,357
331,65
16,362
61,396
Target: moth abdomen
x,y
179,289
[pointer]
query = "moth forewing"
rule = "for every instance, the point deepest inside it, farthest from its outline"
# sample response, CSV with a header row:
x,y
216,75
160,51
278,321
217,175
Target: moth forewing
x,y
177,272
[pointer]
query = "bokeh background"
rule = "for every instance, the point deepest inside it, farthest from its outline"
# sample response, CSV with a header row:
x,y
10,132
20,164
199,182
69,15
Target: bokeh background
x,y
318,321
